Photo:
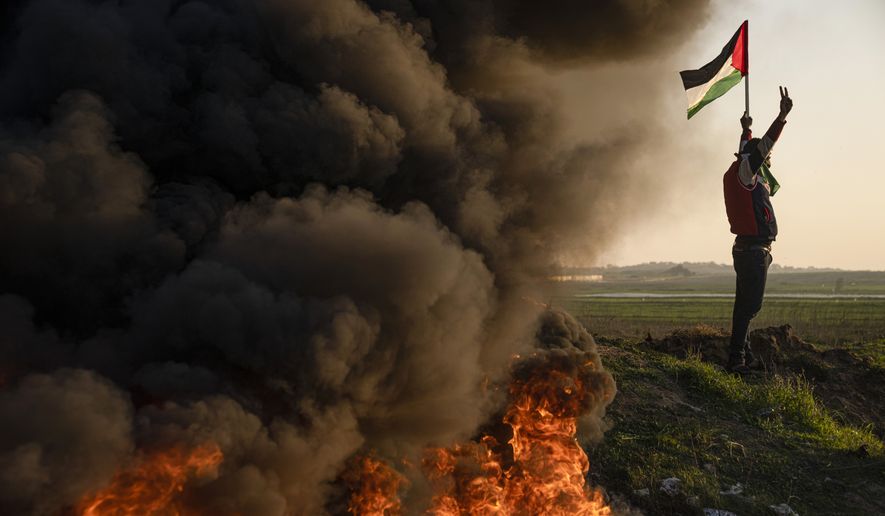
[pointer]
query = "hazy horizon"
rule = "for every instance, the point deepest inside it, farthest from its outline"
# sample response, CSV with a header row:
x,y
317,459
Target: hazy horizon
x,y
774,266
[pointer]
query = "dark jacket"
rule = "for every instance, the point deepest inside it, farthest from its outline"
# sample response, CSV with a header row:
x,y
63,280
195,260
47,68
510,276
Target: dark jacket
x,y
747,197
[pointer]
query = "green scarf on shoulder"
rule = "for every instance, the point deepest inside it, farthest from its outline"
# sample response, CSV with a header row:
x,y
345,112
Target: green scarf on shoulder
x,y
769,178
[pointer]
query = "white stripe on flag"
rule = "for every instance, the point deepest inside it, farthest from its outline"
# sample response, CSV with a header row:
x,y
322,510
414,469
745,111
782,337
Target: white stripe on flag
x,y
697,93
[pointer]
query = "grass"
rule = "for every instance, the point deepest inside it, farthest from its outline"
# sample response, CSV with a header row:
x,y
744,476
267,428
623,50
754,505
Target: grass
x,y
690,420
783,406
827,321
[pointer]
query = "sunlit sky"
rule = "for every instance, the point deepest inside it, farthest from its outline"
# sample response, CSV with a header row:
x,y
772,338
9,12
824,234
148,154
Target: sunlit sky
x,y
830,160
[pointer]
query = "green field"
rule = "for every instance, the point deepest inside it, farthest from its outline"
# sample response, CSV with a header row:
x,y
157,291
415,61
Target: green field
x,y
857,323
829,322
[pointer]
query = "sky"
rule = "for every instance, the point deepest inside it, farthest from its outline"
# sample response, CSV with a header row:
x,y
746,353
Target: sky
x,y
831,56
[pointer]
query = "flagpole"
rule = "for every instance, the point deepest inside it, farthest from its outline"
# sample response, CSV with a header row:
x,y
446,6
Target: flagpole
x,y
747,68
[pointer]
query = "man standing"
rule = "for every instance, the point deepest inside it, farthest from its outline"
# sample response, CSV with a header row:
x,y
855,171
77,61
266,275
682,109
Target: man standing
x,y
748,186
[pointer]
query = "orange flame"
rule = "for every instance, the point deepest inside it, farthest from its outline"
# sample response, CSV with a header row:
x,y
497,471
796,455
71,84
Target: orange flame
x,y
152,486
374,486
543,469
468,479
549,466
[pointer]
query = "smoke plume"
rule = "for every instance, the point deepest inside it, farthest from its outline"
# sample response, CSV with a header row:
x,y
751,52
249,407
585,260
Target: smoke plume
x,y
296,229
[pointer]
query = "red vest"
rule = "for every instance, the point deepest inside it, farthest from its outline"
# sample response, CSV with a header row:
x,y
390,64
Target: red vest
x,y
749,209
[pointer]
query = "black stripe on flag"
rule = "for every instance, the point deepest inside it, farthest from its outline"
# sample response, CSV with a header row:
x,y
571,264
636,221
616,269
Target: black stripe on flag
x,y
692,78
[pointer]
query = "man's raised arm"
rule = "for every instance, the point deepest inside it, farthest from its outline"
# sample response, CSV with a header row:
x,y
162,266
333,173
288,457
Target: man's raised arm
x,y
756,155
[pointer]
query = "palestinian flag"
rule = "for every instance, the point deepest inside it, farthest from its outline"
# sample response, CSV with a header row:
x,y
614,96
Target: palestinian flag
x,y
712,80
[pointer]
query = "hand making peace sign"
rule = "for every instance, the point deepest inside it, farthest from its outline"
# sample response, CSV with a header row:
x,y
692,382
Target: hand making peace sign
x,y
786,102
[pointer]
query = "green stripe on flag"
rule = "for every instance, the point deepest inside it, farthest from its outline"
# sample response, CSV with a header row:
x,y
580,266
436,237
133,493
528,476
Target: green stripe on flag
x,y
717,90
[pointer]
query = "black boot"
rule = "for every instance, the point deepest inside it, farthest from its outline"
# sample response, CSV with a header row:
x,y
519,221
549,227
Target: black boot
x,y
736,364
750,359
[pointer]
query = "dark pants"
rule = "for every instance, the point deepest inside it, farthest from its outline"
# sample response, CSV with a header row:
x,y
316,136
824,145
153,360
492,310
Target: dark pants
x,y
751,266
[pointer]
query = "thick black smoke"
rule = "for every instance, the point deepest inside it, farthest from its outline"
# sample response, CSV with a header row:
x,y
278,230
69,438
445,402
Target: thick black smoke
x,y
296,228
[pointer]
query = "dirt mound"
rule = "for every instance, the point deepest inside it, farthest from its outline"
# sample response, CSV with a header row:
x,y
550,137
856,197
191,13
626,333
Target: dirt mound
x,y
845,382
